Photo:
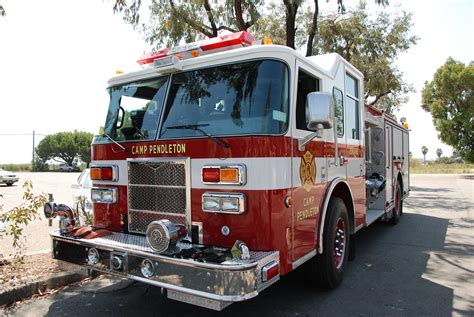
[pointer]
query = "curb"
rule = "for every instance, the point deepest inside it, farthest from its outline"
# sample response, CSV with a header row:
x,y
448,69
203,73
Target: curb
x,y
52,281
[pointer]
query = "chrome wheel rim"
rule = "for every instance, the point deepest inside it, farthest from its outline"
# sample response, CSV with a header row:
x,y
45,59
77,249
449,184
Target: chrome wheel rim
x,y
339,243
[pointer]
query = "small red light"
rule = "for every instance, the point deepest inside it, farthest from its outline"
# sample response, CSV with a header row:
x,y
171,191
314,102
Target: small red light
x,y
211,175
243,38
106,173
102,173
150,57
272,272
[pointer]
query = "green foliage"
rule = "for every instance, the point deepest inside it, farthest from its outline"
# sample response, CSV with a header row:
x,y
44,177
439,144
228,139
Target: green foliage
x,y
424,150
40,165
2,11
19,217
450,100
439,152
372,44
16,167
440,168
66,146
192,20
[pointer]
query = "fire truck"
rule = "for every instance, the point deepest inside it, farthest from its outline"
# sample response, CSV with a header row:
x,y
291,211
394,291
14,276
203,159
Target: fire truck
x,y
224,165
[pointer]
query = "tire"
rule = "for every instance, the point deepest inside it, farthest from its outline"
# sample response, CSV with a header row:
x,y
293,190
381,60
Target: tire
x,y
331,264
9,184
61,170
398,208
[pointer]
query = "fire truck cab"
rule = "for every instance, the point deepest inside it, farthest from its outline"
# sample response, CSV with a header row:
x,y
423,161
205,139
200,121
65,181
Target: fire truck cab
x,y
224,165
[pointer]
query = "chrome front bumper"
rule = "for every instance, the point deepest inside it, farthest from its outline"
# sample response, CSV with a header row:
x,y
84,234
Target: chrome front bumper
x,y
230,281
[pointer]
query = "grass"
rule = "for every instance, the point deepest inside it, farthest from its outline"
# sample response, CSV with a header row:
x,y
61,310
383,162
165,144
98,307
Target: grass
x,y
16,167
417,167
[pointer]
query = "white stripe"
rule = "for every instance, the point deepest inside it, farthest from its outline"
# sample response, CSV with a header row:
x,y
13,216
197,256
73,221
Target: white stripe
x,y
270,173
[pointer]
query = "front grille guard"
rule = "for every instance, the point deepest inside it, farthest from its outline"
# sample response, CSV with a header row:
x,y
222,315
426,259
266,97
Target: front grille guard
x,y
158,189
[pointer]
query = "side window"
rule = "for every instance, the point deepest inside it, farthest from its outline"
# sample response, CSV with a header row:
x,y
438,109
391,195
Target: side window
x,y
352,107
339,111
306,84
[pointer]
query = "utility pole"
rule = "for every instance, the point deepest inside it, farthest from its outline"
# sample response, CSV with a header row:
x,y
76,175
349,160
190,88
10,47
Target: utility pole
x,y
33,160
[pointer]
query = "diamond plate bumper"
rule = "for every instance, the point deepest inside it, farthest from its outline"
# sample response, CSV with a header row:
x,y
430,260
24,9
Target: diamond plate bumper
x,y
230,281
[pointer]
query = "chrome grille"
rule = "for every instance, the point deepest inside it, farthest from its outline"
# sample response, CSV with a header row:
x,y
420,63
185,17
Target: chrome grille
x,y
157,189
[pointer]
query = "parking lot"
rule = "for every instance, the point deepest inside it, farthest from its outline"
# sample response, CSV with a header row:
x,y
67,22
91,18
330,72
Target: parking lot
x,y
424,266
36,233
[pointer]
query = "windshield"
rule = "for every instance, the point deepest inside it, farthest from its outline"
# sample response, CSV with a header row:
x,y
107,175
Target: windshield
x,y
134,110
244,98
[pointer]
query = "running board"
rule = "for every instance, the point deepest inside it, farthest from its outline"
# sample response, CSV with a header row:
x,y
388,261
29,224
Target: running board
x,y
372,215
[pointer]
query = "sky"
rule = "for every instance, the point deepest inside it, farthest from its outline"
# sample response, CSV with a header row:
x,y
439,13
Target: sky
x,y
57,55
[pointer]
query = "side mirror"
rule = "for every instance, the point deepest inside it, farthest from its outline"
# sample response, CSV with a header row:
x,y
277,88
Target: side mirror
x,y
319,115
319,111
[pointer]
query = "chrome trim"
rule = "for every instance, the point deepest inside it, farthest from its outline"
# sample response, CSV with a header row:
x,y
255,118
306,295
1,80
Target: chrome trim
x,y
200,231
114,194
115,172
326,199
231,281
186,187
304,258
239,196
242,170
359,227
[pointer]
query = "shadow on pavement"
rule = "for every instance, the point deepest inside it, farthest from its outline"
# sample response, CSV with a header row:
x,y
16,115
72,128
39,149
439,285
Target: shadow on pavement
x,y
386,278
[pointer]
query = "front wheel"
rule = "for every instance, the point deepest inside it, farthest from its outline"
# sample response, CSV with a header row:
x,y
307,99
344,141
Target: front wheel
x,y
331,264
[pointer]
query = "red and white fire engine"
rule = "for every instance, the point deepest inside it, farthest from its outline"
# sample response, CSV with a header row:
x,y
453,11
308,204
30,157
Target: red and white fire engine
x,y
224,165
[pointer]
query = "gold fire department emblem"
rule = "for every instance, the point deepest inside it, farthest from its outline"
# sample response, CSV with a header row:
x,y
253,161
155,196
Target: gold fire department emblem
x,y
307,171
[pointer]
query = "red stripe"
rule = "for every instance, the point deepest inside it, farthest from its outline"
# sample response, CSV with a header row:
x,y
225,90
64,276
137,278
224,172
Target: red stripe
x,y
261,146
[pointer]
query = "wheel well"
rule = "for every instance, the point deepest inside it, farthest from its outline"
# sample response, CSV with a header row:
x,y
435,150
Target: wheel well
x,y
342,191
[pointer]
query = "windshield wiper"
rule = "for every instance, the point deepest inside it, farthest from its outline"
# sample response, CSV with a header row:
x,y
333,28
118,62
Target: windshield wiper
x,y
123,148
197,127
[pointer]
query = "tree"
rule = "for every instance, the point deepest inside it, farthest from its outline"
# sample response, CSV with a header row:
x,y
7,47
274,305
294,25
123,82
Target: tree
x,y
2,11
372,45
424,150
66,146
439,152
449,97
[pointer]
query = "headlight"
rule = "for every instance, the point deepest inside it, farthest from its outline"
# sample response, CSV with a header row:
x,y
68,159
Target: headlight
x,y
211,203
233,203
104,195
93,256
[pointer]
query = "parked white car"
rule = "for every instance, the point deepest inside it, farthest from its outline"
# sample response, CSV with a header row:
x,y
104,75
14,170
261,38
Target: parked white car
x,y
68,168
7,177
82,198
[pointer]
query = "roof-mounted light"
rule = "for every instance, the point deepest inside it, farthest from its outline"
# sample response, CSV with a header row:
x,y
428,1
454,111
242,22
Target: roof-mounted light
x,y
195,49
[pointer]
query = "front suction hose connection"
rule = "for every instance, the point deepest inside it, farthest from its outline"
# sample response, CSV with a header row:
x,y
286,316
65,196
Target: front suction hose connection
x,y
65,213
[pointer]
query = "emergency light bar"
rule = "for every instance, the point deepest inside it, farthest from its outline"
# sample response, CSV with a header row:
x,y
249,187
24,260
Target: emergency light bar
x,y
195,49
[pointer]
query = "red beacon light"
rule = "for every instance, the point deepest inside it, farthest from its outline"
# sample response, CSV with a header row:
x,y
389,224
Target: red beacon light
x,y
212,45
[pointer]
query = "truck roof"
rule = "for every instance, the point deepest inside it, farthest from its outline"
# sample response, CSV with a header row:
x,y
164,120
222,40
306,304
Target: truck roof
x,y
326,64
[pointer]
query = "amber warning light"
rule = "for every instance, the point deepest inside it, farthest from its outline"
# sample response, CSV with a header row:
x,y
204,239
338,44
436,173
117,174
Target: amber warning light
x,y
230,175
103,173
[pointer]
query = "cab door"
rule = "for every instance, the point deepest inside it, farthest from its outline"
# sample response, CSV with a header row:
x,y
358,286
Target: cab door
x,y
353,155
309,169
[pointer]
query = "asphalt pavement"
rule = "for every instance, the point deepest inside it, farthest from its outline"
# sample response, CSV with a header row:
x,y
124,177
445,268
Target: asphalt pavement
x,y
36,233
424,266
